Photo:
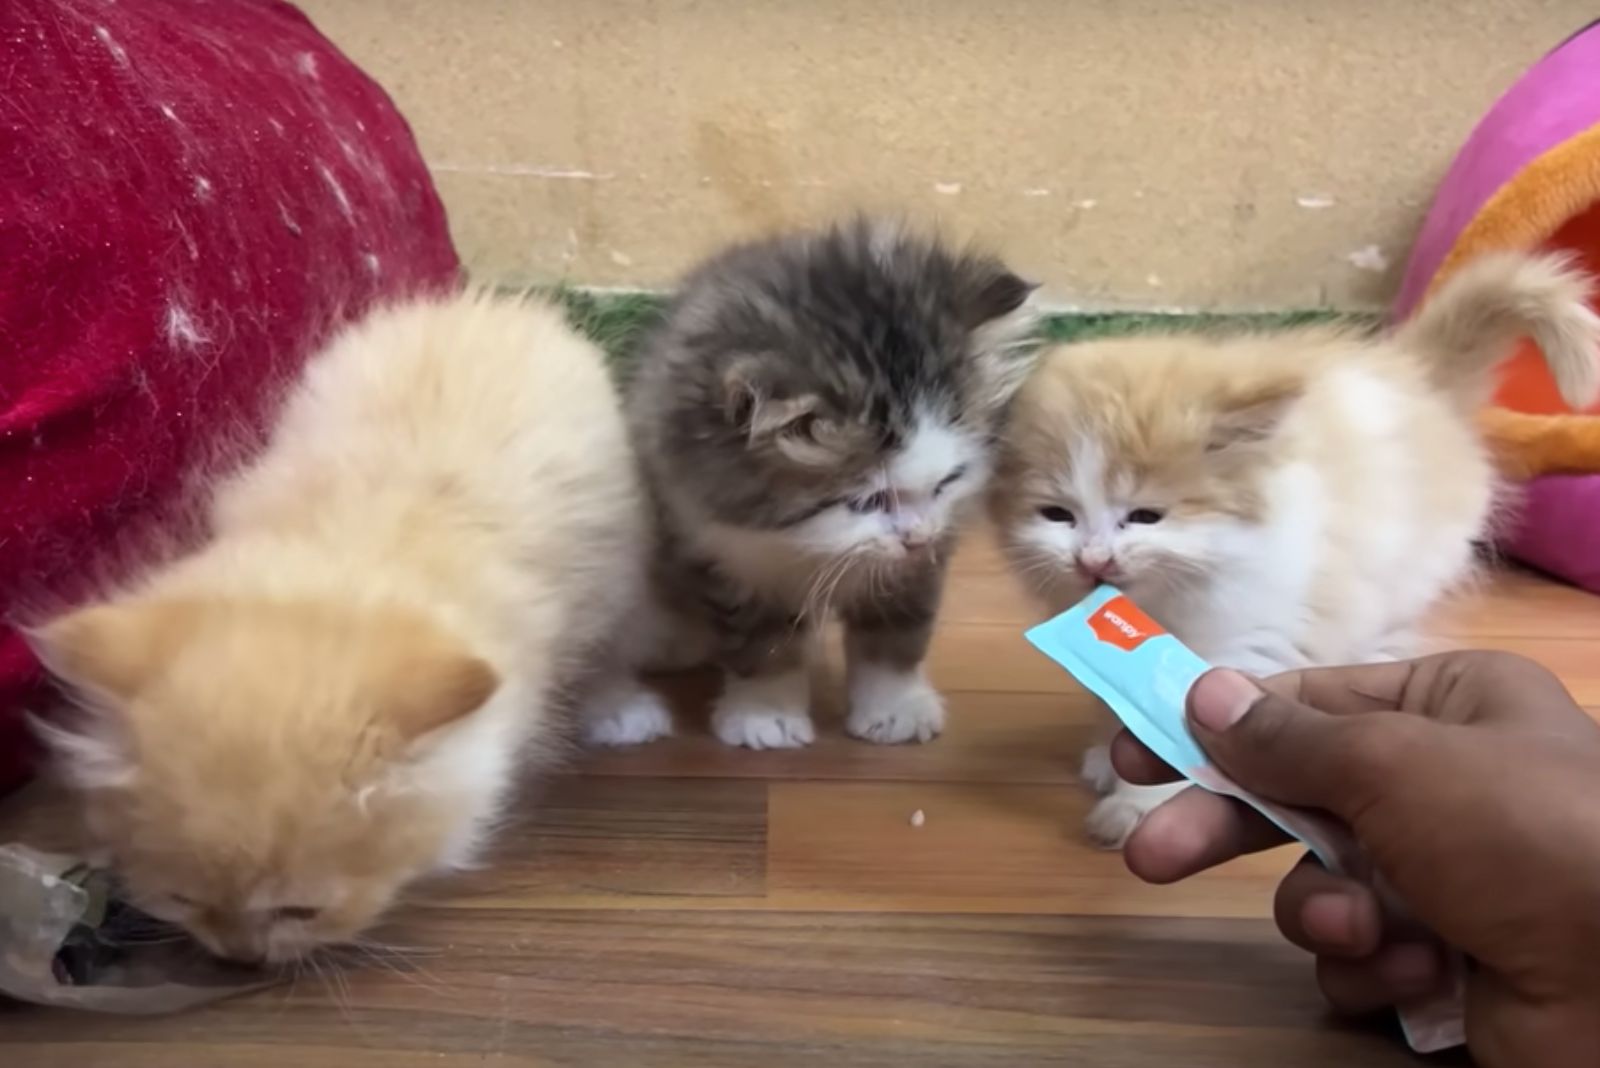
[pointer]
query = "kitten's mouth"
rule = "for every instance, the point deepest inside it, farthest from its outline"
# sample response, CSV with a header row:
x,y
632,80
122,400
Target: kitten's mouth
x,y
1109,574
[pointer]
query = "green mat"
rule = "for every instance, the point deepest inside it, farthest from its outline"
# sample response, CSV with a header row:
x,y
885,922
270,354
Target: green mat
x,y
616,320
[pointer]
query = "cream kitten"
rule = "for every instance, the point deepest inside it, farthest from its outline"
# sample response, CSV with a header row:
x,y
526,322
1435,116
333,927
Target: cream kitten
x,y
1277,500
330,699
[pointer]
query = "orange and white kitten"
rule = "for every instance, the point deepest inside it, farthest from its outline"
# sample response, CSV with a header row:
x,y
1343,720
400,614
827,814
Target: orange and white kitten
x,y
1277,500
282,730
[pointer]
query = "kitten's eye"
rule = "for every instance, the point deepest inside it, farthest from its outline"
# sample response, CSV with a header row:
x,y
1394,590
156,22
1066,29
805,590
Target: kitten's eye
x,y
1057,514
183,902
878,502
949,479
1145,516
301,913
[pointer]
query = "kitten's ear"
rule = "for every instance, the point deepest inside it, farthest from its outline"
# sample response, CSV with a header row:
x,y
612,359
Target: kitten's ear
x,y
748,404
427,682
1253,416
1003,326
995,293
109,651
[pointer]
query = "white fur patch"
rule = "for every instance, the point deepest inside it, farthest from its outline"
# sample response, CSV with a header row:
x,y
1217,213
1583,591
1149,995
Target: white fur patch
x,y
1368,402
1086,486
468,765
934,450
91,761
890,707
766,712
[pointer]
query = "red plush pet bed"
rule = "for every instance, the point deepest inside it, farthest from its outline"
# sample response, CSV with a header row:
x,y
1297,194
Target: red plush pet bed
x,y
192,194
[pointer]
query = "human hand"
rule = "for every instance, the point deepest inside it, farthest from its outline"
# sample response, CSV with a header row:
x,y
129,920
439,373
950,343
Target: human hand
x,y
1472,780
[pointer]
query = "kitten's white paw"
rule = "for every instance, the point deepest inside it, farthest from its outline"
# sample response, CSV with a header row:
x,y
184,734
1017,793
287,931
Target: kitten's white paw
x,y
891,707
1096,770
1112,820
762,728
1116,815
634,720
764,713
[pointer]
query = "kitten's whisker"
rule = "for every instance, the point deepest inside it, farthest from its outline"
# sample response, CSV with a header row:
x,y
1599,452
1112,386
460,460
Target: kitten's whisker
x,y
878,581
296,969
398,951
820,599
367,956
335,991
391,959
808,605
1036,568
342,985
416,980
847,563
818,580
1034,562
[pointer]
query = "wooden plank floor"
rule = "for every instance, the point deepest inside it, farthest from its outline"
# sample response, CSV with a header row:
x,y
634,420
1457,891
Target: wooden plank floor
x,y
689,905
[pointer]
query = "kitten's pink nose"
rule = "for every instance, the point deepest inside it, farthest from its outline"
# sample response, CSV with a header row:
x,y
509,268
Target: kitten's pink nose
x,y
1096,566
913,529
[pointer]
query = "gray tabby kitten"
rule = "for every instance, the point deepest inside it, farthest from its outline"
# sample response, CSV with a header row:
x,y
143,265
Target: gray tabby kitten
x,y
815,415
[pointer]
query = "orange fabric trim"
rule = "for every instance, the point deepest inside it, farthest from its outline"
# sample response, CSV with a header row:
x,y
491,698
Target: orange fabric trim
x,y
1528,210
1527,446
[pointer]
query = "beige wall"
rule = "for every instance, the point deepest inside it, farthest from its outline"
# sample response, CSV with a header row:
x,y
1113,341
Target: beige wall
x,y
1131,153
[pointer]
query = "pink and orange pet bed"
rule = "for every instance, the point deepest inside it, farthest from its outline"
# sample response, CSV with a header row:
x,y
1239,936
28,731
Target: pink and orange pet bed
x,y
1529,178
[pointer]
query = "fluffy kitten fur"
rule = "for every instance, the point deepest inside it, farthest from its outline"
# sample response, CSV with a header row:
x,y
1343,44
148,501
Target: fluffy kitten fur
x,y
814,417
283,729
1280,500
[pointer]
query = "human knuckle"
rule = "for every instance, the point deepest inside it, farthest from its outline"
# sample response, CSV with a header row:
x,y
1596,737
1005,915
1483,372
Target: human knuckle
x,y
1499,665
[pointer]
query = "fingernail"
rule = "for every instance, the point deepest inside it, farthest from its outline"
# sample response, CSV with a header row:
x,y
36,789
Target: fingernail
x,y
1220,698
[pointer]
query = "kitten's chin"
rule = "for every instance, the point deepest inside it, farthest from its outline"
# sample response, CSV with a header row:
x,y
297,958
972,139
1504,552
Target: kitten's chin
x,y
896,552
893,550
288,951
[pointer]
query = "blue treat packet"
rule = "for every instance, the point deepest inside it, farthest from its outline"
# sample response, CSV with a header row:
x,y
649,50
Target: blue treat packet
x,y
1144,675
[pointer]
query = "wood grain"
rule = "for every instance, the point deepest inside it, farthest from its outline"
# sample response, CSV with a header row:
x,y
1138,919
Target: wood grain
x,y
985,847
685,904
568,987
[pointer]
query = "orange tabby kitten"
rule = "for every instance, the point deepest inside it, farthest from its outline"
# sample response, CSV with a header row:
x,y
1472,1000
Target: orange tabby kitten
x,y
282,730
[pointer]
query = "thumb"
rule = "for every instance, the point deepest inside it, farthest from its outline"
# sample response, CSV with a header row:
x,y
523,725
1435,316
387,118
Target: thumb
x,y
1292,753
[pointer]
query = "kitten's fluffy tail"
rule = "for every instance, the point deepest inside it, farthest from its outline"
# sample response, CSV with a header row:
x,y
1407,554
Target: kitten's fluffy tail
x,y
1478,316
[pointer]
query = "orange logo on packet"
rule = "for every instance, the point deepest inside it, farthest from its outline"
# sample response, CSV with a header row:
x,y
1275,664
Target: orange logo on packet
x,y
1122,623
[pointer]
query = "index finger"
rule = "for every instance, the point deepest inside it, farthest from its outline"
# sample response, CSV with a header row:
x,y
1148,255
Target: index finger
x,y
1469,686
